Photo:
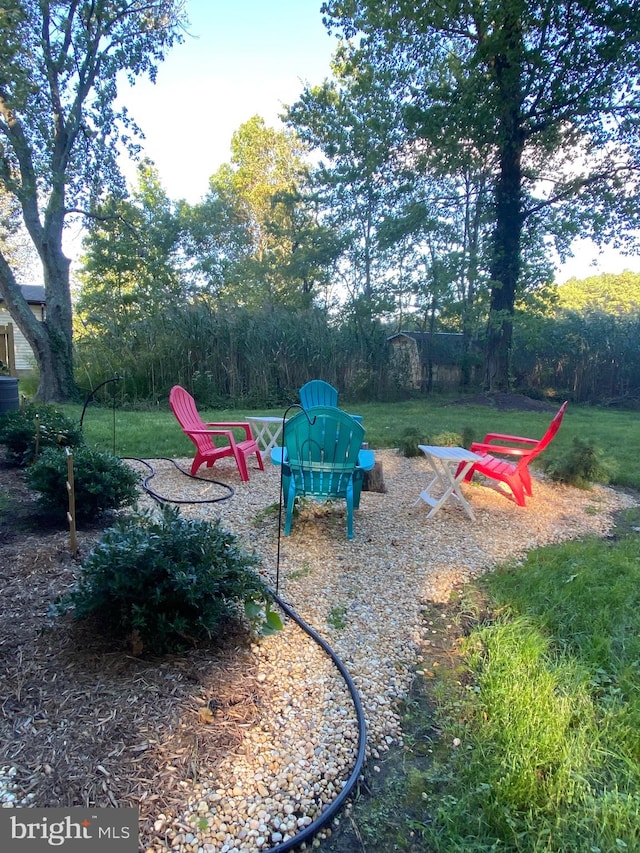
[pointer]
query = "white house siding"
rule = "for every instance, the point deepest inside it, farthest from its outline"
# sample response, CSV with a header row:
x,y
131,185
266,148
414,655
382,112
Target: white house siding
x,y
25,360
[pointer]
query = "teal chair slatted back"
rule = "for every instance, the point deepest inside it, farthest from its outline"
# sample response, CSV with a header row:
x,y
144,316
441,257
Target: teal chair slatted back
x,y
321,448
318,393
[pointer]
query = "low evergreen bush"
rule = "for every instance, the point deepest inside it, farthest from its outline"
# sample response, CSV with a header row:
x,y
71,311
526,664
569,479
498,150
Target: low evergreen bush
x,y
412,437
581,466
102,482
409,441
163,583
26,432
467,437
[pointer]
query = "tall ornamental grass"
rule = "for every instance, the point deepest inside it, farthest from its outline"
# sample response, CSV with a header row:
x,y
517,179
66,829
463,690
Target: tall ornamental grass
x,y
230,356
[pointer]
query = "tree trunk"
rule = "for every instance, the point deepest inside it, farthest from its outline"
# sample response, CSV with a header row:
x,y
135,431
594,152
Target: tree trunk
x,y
505,263
374,480
505,268
473,221
51,339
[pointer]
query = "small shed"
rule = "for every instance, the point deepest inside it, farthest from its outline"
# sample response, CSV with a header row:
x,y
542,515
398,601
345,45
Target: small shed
x,y
421,359
14,348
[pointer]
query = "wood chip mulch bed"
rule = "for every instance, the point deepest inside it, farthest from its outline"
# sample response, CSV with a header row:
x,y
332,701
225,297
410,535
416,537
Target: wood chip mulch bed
x,y
82,723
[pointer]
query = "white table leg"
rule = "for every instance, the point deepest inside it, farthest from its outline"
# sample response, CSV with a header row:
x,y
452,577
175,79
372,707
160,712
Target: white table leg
x,y
456,491
266,432
273,434
446,479
258,430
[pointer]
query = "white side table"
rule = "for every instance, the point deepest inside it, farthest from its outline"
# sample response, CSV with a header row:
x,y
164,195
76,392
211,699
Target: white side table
x,y
444,462
266,431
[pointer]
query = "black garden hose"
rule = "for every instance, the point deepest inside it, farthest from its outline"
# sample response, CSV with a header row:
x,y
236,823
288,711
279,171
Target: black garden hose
x,y
334,807
162,499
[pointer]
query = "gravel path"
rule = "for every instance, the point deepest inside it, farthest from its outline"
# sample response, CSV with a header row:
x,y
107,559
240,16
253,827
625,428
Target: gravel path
x,y
364,597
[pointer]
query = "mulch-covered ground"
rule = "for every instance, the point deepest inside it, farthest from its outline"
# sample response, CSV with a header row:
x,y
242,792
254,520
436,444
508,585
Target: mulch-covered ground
x,y
85,724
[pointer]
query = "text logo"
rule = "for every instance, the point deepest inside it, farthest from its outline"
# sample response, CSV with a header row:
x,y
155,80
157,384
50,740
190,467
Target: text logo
x,y
108,830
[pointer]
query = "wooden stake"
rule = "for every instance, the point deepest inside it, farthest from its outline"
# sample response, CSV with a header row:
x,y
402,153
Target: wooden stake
x,y
71,514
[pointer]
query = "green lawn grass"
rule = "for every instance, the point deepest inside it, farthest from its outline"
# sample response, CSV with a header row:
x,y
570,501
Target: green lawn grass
x,y
616,433
527,739
549,722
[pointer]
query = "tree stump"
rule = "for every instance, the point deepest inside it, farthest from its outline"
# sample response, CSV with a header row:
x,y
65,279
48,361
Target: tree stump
x,y
374,480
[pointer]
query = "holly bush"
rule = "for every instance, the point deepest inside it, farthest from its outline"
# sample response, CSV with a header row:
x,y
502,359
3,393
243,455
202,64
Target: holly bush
x,y
101,482
24,433
162,582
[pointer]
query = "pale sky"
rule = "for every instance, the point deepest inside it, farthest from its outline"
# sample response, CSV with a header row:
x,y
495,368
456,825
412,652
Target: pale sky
x,y
246,58
242,58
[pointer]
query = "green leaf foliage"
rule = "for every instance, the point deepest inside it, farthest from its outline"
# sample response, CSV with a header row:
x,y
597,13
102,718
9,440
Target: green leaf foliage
x,y
101,482
164,583
130,271
255,237
24,433
539,100
607,293
581,466
414,436
409,441
63,134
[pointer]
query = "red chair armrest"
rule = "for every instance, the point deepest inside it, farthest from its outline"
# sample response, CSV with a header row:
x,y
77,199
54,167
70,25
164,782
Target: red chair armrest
x,y
227,432
227,427
481,447
497,436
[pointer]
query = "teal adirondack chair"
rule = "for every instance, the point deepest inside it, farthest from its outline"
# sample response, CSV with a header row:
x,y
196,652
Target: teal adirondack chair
x,y
322,458
318,393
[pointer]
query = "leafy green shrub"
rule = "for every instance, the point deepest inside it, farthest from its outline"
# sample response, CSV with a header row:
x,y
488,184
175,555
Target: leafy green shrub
x,y
25,433
412,437
408,443
583,465
102,481
468,437
447,439
166,582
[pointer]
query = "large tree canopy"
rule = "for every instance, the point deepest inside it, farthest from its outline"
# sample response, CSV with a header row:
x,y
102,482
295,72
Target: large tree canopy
x,y
255,234
548,91
410,237
616,294
60,136
351,120
129,270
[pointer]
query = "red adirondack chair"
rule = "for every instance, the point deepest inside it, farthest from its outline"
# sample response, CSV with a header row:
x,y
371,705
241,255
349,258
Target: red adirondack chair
x,y
202,435
495,464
